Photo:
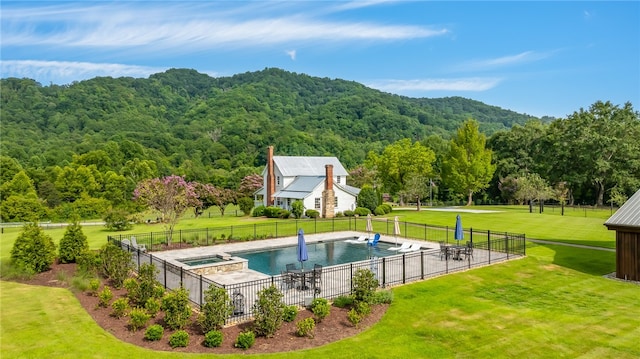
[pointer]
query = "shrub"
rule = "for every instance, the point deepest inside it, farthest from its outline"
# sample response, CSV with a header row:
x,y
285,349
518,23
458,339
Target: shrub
x,y
361,211
363,308
33,251
116,263
343,301
146,283
246,205
131,285
379,211
364,285
176,308
284,214
354,317
268,311
305,327
213,339
216,309
94,285
152,306
290,313
245,340
339,214
89,262
272,212
117,220
382,297
179,339
72,244
158,291
258,211
349,213
297,208
312,213
138,318
320,308
387,208
104,297
154,332
120,307
367,198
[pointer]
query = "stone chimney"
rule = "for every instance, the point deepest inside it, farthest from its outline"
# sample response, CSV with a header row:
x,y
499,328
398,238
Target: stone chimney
x,y
328,196
271,179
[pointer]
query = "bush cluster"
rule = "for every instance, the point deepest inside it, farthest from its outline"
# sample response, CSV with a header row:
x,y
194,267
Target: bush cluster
x,y
320,308
258,211
245,340
349,213
179,339
117,220
213,339
268,311
154,332
272,212
379,211
312,213
362,211
305,327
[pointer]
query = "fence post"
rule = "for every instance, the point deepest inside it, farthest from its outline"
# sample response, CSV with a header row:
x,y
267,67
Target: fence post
x,y
255,235
276,222
180,235
231,235
164,268
489,248
384,272
421,265
425,231
181,280
201,297
404,269
207,234
506,244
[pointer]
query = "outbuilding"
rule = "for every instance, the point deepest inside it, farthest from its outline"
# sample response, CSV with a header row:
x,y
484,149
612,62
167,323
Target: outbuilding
x,y
626,223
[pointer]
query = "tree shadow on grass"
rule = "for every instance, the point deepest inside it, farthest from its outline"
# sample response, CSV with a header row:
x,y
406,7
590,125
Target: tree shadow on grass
x,y
589,261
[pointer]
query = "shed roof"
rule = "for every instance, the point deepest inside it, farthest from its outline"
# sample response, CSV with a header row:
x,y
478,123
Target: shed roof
x,y
628,215
308,166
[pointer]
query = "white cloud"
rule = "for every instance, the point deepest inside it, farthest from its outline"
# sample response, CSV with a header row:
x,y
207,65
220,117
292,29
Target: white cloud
x,y
460,84
291,54
203,26
63,72
523,57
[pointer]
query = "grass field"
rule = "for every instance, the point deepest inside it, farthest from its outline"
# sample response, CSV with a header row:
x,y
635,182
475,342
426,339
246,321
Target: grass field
x,y
555,303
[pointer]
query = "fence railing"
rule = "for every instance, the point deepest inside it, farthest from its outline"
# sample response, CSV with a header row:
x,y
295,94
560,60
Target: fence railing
x,y
489,247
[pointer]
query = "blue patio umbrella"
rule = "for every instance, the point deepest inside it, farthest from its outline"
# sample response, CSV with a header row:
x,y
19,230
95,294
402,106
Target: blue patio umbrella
x,y
303,256
459,235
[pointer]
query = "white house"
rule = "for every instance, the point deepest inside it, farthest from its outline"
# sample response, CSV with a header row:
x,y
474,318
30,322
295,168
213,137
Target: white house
x,y
319,182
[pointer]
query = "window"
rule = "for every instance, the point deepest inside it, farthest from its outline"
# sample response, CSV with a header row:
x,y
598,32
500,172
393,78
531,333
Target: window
x,y
335,202
317,202
278,180
338,179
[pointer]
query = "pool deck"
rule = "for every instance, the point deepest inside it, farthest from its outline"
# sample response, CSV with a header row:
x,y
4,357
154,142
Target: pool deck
x,y
245,275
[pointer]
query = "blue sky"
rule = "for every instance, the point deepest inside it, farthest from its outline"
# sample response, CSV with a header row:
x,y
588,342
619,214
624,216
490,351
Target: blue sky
x,y
539,58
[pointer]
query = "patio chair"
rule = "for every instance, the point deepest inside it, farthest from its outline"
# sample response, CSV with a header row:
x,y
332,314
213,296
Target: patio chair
x,y
315,280
375,240
468,251
361,239
140,247
414,247
444,250
404,245
288,280
126,244
291,266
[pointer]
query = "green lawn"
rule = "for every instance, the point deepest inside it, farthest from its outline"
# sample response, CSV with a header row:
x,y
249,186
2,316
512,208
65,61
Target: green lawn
x,y
552,304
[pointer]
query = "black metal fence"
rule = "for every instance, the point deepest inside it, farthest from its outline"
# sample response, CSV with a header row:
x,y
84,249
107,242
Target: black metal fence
x,y
489,247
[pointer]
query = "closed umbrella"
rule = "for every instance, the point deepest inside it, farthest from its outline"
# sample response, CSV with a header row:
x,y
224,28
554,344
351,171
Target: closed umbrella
x,y
396,229
369,225
459,234
303,255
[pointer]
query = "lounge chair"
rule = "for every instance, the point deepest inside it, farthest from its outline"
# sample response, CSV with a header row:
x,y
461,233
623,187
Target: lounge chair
x,y
375,240
140,247
414,247
126,244
361,239
404,245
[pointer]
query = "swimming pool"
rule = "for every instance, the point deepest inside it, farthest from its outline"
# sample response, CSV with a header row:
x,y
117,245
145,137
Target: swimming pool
x,y
272,261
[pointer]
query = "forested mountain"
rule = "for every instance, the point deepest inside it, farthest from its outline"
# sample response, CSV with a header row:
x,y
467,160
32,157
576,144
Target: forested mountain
x,y
205,127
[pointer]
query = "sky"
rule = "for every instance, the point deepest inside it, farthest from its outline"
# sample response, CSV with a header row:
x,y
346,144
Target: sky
x,y
539,58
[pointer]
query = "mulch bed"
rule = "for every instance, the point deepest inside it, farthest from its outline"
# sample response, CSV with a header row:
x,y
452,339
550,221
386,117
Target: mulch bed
x,y
334,327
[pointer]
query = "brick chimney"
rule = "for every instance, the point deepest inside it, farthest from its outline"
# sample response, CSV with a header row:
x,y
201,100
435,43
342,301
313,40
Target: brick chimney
x,y
271,180
328,196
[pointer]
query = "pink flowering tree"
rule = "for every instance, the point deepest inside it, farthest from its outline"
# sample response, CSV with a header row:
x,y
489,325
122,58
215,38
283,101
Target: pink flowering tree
x,y
206,194
250,184
171,196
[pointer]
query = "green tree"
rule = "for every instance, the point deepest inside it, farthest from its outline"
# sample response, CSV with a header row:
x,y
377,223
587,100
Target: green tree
x,y
246,205
297,208
533,187
367,198
468,168
20,185
73,243
400,160
33,251
22,209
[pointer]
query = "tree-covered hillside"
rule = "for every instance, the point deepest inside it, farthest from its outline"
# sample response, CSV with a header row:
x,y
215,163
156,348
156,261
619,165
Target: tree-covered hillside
x,y
203,127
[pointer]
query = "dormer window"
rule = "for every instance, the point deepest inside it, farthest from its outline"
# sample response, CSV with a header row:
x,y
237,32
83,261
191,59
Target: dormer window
x,y
338,179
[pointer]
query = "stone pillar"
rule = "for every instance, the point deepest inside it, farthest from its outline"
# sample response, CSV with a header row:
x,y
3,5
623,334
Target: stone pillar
x,y
328,195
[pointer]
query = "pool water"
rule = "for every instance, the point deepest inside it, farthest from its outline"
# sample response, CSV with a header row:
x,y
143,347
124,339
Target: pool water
x,y
199,261
274,260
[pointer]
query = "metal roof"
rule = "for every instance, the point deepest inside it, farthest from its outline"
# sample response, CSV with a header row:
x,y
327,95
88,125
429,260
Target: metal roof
x,y
291,166
349,189
300,188
628,215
